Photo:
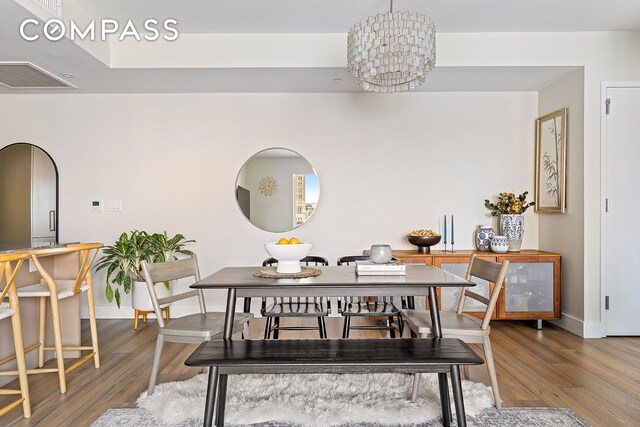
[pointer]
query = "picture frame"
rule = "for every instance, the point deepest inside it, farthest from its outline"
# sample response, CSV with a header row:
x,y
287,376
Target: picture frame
x,y
551,160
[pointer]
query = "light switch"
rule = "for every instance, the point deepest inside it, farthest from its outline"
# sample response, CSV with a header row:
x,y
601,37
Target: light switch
x,y
113,205
96,206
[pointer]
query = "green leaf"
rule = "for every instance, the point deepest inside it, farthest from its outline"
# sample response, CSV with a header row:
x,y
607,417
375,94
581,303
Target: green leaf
x,y
117,294
108,291
127,284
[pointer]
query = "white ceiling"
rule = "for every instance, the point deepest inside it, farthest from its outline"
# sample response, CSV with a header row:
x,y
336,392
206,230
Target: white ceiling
x,y
92,76
337,16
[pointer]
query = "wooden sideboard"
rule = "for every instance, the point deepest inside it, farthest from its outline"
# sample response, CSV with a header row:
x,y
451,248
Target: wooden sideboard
x,y
532,287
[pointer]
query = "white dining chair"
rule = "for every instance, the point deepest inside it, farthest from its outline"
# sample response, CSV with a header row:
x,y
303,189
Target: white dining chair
x,y
463,326
194,328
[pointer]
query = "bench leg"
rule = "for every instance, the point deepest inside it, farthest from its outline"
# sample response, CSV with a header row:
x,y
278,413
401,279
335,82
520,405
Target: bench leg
x,y
222,397
320,328
443,382
210,403
276,328
456,385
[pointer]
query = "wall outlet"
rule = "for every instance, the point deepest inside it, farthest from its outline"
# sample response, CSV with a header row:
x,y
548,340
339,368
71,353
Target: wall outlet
x,y
97,206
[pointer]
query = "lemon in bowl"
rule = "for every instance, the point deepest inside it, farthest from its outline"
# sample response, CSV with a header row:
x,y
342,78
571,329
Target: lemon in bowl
x,y
288,255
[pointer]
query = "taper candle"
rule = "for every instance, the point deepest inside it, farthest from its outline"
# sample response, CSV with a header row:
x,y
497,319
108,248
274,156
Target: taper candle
x,y
452,230
445,229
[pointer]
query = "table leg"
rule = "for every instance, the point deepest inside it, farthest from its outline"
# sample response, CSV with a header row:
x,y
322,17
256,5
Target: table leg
x,y
222,398
210,402
458,400
445,404
247,305
435,314
411,303
231,309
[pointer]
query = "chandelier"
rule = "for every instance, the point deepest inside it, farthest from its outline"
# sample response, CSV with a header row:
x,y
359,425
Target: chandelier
x,y
391,52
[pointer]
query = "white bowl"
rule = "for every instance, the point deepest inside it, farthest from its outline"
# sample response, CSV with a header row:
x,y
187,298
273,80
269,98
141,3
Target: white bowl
x,y
288,256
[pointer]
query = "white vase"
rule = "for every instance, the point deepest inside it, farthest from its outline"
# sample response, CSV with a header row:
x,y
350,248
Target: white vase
x,y
512,227
140,299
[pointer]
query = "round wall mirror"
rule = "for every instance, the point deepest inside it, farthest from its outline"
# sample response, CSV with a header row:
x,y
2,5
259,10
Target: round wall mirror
x,y
277,190
28,197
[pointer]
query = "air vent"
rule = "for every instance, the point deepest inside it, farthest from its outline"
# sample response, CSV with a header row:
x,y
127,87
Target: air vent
x,y
24,75
54,7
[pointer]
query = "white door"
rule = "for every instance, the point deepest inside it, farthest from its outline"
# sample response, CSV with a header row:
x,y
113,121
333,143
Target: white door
x,y
623,217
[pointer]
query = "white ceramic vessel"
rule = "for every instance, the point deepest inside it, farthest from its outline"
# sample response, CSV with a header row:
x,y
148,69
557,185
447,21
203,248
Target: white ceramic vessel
x,y
380,254
499,244
484,235
288,256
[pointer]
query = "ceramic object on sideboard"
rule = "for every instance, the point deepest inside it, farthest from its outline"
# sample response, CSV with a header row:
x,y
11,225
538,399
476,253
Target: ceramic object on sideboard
x,y
499,244
484,235
512,227
380,254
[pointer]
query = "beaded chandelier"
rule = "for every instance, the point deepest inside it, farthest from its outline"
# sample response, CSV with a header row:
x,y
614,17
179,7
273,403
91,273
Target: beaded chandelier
x,y
391,52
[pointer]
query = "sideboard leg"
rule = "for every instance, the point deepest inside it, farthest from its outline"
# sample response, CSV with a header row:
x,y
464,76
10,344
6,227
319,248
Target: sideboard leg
x,y
539,324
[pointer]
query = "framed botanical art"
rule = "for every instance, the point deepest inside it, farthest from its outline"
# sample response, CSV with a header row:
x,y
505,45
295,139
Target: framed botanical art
x,y
551,160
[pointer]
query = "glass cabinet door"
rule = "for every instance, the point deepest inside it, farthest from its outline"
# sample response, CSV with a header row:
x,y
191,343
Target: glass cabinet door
x,y
449,296
529,287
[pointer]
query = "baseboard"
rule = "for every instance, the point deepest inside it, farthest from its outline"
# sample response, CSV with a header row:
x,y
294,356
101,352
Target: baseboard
x,y
571,324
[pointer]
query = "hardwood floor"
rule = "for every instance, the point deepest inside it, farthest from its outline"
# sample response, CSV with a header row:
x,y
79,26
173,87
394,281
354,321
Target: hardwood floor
x,y
599,379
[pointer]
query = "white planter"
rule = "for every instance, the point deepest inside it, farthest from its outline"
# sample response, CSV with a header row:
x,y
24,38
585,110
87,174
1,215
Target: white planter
x,y
140,295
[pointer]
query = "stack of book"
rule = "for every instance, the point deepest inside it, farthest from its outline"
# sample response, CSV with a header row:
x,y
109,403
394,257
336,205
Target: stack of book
x,y
368,268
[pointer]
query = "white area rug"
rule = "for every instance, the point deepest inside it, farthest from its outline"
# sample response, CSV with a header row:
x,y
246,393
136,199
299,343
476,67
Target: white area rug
x,y
312,400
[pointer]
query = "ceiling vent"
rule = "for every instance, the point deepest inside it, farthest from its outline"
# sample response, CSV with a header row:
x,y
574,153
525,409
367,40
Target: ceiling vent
x,y
24,75
54,7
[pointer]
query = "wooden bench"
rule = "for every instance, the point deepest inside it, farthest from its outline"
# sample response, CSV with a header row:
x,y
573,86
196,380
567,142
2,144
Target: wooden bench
x,y
441,355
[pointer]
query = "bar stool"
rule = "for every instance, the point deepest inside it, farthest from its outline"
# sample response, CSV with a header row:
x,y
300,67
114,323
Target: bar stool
x,y
56,290
12,310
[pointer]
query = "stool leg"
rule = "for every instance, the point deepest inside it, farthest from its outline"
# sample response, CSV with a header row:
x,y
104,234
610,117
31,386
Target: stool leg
x,y
167,314
92,323
267,329
57,336
276,330
392,331
43,330
135,320
19,347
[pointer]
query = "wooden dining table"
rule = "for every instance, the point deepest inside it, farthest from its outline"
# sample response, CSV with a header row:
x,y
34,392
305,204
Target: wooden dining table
x,y
339,281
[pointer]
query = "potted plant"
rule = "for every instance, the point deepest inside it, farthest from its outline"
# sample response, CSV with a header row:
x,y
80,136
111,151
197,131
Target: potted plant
x,y
510,209
123,262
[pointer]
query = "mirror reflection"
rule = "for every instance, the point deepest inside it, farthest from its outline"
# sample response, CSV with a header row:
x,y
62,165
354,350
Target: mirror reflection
x,y
277,190
28,197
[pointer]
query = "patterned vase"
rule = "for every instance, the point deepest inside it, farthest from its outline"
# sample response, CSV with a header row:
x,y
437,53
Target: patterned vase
x,y
512,227
484,235
499,244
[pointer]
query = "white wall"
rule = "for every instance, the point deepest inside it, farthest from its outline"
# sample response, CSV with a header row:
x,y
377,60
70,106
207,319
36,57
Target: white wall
x,y
564,233
387,164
